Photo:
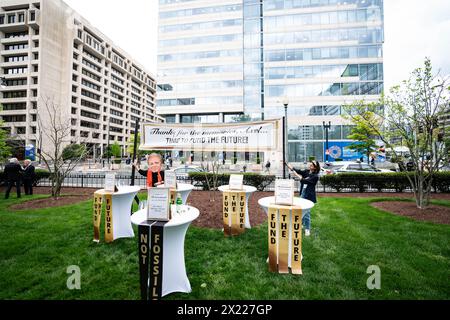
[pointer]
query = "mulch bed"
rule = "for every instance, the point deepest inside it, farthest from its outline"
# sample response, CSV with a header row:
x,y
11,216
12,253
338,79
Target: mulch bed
x,y
49,202
433,213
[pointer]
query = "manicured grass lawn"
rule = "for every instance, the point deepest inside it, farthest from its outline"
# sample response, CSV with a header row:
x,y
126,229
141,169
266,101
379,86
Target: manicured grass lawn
x,y
348,235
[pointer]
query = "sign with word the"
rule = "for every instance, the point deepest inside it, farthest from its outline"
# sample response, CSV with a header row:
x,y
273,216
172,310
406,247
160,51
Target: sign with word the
x,y
97,210
170,179
158,204
236,137
284,192
234,204
236,182
283,223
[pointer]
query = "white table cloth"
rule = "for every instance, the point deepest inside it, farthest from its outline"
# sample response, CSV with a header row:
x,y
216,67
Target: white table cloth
x,y
248,192
184,189
174,271
299,203
122,201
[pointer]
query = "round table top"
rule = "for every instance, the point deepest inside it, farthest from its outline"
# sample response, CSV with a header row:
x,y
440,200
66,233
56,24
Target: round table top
x,y
187,215
298,202
122,190
181,187
247,189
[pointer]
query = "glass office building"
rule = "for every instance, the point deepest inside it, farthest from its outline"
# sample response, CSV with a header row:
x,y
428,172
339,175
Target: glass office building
x,y
221,59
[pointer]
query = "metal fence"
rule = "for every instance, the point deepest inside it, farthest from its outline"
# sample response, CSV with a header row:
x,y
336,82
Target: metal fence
x,y
98,181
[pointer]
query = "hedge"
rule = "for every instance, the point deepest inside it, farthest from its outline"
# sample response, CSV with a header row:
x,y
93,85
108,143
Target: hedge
x,y
40,174
360,182
259,181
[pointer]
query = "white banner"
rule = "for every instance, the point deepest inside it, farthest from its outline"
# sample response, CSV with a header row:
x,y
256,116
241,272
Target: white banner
x,y
239,137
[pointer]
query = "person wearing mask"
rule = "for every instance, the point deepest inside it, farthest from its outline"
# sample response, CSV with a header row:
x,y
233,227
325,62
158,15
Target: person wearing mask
x,y
28,177
308,181
155,172
13,176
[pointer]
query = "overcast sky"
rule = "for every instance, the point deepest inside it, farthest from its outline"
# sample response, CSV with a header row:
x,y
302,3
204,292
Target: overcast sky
x,y
413,29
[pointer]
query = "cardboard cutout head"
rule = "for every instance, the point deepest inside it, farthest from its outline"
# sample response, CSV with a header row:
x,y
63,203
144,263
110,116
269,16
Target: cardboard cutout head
x,y
154,162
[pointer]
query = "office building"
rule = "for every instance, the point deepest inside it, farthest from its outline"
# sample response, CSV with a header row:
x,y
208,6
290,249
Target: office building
x,y
219,59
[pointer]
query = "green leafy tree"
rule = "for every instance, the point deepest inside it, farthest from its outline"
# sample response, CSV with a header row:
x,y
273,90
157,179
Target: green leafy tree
x,y
411,113
363,135
5,149
130,147
73,151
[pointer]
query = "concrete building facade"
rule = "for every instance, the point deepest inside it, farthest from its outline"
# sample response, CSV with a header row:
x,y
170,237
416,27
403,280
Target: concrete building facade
x,y
48,52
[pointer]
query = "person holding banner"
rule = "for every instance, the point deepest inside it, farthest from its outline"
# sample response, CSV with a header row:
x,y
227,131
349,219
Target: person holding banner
x,y
308,181
155,172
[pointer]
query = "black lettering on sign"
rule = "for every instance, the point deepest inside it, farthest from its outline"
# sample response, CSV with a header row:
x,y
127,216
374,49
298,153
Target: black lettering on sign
x,y
144,248
156,261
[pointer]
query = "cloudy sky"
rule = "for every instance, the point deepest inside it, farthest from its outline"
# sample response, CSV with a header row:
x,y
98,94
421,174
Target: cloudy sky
x,y
413,29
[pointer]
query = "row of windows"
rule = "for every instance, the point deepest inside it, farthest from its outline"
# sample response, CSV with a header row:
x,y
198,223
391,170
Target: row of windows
x,y
115,129
14,106
116,96
135,90
114,70
323,18
201,25
200,55
362,35
363,71
294,4
173,1
135,111
117,88
116,121
199,101
16,58
90,115
336,132
89,104
116,79
136,97
90,85
16,82
116,104
90,95
88,124
116,113
197,11
92,56
14,94
199,40
16,35
325,89
135,104
91,75
16,46
202,70
12,18
210,85
324,53
15,118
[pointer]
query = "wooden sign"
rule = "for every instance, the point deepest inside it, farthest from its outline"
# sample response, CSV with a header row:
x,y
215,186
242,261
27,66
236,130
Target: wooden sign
x,y
284,222
234,204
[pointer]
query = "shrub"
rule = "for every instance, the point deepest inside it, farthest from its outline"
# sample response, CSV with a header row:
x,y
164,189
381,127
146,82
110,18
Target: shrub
x,y
40,174
259,181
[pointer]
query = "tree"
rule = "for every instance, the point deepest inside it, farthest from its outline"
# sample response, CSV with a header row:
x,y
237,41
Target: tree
x,y
242,118
5,149
363,134
59,156
130,147
411,111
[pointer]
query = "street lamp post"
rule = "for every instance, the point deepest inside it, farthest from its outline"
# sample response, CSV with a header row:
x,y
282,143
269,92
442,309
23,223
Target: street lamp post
x,y
285,135
327,151
108,147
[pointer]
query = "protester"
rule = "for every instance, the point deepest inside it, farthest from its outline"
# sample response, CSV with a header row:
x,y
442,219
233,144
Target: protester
x,y
13,176
28,177
308,181
154,173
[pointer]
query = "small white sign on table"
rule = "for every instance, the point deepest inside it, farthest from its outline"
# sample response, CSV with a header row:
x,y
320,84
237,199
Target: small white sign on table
x,y
236,182
110,182
284,192
158,204
170,179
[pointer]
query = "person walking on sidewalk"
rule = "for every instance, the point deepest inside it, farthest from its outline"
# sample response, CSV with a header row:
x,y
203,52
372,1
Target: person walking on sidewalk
x,y
13,174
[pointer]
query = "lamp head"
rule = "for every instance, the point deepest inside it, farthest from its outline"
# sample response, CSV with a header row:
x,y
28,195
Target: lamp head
x,y
285,101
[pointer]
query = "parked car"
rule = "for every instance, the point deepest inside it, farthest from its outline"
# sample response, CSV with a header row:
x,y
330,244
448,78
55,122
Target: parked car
x,y
356,167
183,172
